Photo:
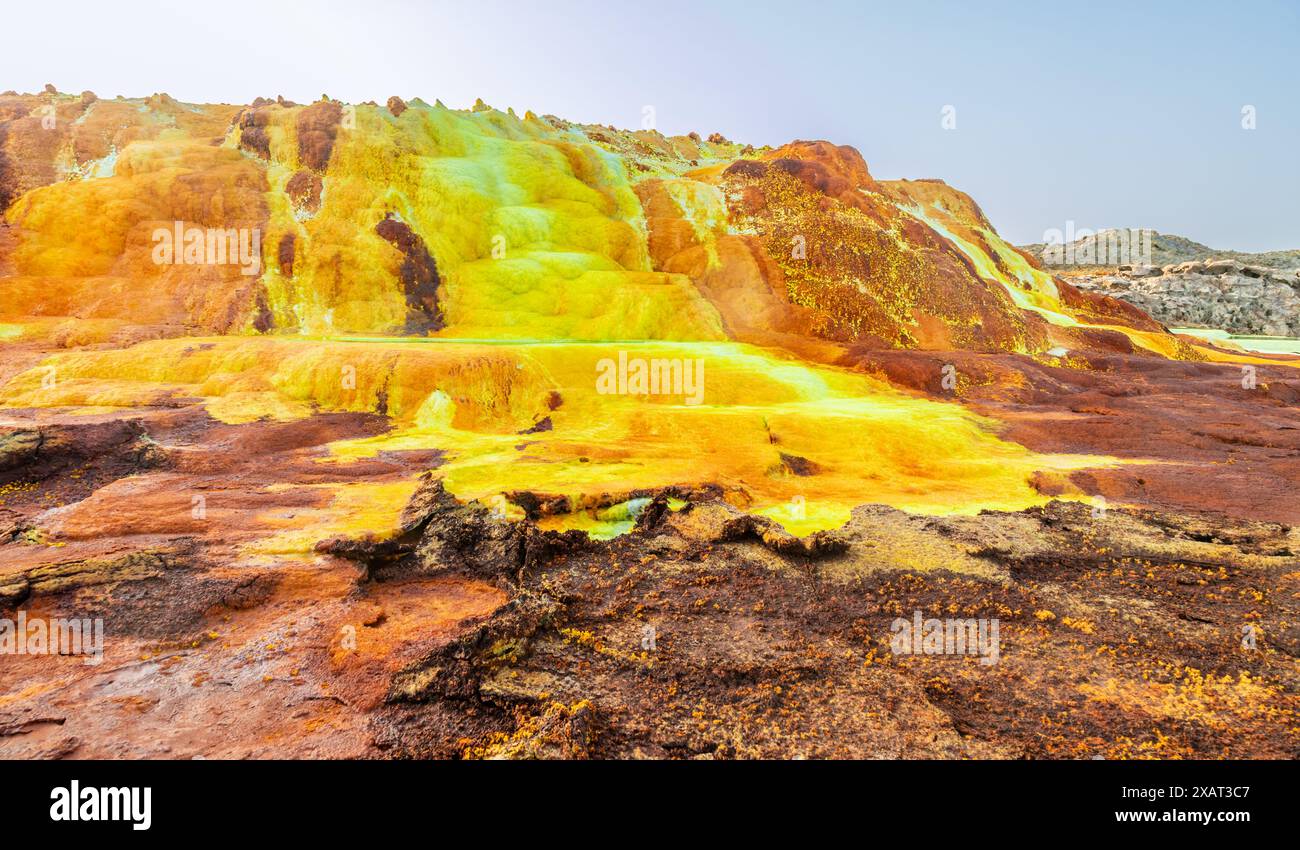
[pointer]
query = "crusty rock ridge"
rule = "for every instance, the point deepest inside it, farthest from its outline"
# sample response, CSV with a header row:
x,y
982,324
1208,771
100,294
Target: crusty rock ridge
x,y
1224,294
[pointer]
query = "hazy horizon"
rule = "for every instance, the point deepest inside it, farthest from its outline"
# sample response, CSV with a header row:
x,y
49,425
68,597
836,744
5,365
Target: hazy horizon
x,y
1110,119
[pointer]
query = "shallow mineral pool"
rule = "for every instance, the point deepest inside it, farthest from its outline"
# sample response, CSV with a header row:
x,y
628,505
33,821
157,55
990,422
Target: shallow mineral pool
x,y
1263,344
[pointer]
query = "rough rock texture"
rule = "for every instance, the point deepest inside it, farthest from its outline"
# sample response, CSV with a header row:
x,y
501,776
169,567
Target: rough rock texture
x,y
1223,294
419,275
1121,637
304,190
706,632
833,254
318,127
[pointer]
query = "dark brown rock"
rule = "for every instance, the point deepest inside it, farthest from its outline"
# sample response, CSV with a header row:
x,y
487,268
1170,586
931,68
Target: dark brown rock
x,y
253,136
285,253
418,273
304,189
318,125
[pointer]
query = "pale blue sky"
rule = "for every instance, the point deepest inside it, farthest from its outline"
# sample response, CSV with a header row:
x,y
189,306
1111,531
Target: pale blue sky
x,y
1110,114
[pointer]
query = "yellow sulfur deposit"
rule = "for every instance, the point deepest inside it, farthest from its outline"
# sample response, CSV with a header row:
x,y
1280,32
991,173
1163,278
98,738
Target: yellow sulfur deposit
x,y
467,273
763,416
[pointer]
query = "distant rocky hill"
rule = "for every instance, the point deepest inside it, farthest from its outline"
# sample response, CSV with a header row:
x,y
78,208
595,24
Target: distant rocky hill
x,y
1224,294
1187,283
1168,249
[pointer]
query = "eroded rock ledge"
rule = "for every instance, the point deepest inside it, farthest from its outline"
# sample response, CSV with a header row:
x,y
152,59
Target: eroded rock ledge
x,y
707,633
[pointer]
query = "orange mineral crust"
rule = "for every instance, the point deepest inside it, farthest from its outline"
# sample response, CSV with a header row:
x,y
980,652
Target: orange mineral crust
x,y
405,430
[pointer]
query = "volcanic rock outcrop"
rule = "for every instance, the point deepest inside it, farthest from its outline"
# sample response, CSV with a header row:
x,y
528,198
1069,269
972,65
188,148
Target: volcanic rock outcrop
x,y
1223,294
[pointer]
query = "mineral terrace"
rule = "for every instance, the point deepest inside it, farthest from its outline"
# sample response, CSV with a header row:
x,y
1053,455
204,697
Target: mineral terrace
x,y
305,403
